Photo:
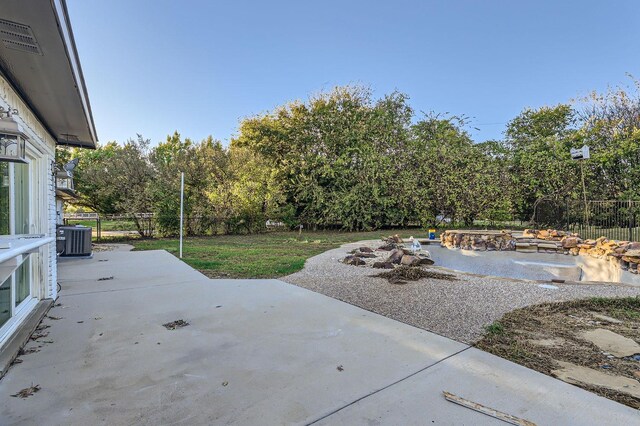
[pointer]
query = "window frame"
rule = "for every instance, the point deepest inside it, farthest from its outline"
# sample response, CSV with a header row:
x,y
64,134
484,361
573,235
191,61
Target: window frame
x,y
25,306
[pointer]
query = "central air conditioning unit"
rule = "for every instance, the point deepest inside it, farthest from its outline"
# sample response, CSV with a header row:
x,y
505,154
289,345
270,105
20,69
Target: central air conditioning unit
x,y
74,241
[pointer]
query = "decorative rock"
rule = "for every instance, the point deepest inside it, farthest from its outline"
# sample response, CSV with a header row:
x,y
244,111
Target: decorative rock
x,y
353,260
586,246
365,255
632,253
547,246
570,242
623,254
410,260
479,245
611,342
383,265
395,238
395,256
606,318
424,260
633,246
366,250
576,374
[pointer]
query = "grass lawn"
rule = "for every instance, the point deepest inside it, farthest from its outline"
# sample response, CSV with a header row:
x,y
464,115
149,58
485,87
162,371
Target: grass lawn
x,y
270,255
107,225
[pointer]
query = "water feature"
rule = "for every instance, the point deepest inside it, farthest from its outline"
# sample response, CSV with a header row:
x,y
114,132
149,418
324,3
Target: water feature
x,y
531,266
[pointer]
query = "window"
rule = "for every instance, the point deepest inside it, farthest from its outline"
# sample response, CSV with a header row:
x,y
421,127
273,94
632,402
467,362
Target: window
x,y
14,177
15,218
23,281
5,301
5,215
22,221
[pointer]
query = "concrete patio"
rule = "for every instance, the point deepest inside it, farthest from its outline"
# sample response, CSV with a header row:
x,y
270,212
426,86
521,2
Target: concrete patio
x,y
257,352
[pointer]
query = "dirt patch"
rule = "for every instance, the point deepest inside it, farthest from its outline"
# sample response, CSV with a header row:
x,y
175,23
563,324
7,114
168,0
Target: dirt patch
x,y
546,337
175,324
402,274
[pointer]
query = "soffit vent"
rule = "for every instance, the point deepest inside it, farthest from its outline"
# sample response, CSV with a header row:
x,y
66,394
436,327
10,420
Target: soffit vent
x,y
18,37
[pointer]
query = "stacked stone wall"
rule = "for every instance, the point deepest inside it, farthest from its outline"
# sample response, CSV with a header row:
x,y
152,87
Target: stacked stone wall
x,y
624,254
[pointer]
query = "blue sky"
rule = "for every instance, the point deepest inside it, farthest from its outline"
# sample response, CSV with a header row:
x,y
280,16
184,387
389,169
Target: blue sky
x,y
198,66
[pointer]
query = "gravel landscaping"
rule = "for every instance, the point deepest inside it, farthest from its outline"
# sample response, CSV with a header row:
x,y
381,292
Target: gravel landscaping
x,y
458,309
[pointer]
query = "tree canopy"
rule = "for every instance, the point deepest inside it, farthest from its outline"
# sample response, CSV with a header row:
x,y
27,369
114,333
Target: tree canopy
x,y
346,160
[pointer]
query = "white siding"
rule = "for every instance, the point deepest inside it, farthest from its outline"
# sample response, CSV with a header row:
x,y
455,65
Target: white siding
x,y
42,146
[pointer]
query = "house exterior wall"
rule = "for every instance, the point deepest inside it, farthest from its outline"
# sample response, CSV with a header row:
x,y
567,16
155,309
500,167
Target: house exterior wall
x,y
41,148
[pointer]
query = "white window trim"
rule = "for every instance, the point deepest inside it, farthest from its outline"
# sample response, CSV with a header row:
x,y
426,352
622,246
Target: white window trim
x,y
16,319
34,175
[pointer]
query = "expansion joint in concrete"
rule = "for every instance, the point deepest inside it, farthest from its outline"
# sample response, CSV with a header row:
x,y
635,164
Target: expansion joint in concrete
x,y
355,401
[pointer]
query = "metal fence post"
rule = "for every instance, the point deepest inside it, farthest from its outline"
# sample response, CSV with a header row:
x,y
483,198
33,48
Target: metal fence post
x,y
630,219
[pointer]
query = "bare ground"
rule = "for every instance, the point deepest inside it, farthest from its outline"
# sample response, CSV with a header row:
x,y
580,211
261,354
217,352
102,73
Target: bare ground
x,y
540,336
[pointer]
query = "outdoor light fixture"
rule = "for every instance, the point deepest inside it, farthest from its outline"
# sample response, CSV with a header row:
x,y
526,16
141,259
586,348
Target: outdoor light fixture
x,y
12,138
64,178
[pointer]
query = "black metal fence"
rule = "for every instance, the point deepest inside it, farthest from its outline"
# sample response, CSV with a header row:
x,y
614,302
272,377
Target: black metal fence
x,y
138,224
614,219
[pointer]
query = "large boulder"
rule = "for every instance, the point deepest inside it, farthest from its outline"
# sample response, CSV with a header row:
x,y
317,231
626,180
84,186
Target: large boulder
x,y
395,256
410,260
383,265
570,242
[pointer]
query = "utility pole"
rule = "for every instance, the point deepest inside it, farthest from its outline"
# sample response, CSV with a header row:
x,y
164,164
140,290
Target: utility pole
x,y
584,195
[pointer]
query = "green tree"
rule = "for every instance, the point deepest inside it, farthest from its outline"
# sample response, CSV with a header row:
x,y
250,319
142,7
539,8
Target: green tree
x,y
539,143
611,127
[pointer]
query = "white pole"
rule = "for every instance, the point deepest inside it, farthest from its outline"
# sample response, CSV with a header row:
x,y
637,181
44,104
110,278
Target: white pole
x,y
181,209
